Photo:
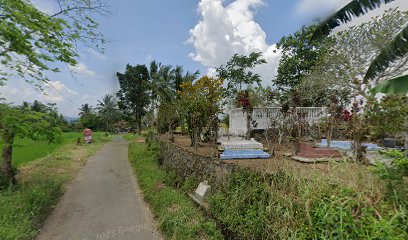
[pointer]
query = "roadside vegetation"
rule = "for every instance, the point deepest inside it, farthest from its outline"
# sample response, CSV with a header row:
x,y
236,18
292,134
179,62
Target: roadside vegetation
x,y
176,214
23,207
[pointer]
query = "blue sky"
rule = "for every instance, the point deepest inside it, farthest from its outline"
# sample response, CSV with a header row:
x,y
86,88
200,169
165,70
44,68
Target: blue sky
x,y
195,34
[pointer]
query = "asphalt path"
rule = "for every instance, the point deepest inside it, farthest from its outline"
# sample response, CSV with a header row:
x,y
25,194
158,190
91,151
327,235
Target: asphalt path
x,y
104,202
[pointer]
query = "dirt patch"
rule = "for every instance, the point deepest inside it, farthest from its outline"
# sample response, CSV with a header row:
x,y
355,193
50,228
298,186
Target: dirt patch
x,y
174,208
159,185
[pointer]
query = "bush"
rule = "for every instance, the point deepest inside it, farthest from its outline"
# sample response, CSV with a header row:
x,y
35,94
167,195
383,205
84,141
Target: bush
x,y
4,181
176,214
280,205
395,175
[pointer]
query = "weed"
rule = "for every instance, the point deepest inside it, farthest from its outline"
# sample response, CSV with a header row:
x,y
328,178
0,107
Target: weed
x,y
177,216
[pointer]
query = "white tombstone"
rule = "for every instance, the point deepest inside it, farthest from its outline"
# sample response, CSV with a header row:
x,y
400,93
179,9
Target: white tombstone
x,y
201,193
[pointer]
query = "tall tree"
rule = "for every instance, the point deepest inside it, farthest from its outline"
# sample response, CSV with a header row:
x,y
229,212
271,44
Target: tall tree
x,y
30,40
180,77
134,92
299,56
88,118
107,111
238,72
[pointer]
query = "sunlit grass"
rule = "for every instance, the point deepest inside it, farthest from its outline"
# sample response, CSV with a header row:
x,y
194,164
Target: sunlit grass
x,y
26,150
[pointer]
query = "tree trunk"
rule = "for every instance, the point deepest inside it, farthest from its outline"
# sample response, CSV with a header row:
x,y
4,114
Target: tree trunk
x,y
171,136
196,138
139,124
6,155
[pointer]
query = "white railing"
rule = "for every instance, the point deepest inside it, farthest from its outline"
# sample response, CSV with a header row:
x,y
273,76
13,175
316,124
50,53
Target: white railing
x,y
264,117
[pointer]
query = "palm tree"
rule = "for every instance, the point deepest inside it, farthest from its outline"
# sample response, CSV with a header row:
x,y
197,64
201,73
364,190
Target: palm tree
x,y
179,78
84,110
396,49
107,110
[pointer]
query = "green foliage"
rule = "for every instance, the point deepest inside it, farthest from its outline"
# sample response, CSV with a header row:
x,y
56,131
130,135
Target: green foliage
x,y
133,94
280,205
176,214
167,116
88,118
398,48
31,39
108,112
201,103
237,72
23,209
355,48
387,116
394,175
299,56
354,8
26,123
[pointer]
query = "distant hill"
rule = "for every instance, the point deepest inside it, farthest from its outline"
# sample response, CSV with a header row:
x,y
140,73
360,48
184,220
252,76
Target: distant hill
x,y
71,119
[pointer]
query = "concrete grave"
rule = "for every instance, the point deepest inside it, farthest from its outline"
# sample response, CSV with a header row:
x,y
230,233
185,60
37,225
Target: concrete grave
x,y
242,144
201,193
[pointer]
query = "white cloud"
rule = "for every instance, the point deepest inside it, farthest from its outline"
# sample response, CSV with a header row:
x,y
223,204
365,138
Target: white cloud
x,y
319,7
55,92
226,30
82,69
98,55
46,6
323,8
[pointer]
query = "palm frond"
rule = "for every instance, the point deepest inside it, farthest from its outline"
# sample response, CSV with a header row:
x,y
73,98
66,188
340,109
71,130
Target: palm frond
x,y
354,8
397,85
396,49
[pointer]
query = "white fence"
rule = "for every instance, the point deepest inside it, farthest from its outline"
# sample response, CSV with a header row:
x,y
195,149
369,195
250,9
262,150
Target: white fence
x,y
264,116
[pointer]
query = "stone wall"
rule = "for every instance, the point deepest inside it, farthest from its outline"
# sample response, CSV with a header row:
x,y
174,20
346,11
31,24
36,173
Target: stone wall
x,y
186,163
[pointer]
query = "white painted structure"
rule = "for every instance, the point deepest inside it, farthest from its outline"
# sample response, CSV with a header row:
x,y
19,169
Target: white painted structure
x,y
263,117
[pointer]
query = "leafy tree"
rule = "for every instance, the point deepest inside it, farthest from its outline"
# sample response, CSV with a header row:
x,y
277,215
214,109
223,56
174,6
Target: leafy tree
x,y
88,118
134,92
160,79
30,40
107,111
387,116
180,77
299,56
237,72
397,48
354,49
24,123
354,8
167,116
84,110
202,102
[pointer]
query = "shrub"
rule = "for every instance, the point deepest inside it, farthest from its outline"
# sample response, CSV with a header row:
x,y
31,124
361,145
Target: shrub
x,y
280,205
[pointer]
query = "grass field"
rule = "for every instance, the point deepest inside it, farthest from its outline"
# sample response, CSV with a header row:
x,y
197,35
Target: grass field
x,y
24,207
26,150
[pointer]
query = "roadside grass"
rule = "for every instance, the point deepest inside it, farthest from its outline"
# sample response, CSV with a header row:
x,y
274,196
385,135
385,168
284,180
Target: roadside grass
x,y
176,214
130,136
24,207
284,205
26,150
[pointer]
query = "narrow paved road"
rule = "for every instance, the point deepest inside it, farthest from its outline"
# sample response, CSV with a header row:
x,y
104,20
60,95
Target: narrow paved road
x,y
104,202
